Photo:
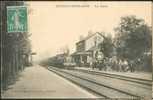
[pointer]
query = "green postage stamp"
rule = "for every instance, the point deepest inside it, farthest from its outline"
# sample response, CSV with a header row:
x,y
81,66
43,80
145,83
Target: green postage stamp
x,y
17,19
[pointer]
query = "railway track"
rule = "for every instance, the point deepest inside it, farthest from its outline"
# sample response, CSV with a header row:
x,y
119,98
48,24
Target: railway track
x,y
126,78
96,88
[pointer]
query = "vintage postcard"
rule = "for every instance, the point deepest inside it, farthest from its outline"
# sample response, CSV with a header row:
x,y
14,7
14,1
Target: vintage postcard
x,y
76,50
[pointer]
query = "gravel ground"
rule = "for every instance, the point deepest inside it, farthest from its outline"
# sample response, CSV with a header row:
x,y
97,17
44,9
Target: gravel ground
x,y
130,87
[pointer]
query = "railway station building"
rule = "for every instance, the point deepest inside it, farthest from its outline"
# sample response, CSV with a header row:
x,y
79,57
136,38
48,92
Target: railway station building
x,y
87,48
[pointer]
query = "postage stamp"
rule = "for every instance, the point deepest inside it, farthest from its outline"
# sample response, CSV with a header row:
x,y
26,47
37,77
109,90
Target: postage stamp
x,y
16,19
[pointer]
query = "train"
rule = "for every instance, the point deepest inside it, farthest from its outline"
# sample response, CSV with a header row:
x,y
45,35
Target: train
x,y
61,61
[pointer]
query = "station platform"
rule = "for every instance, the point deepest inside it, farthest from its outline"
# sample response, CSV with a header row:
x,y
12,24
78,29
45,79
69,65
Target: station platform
x,y
140,75
38,82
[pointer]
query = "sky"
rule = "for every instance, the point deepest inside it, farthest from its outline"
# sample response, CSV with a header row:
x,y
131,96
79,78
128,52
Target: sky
x,y
54,25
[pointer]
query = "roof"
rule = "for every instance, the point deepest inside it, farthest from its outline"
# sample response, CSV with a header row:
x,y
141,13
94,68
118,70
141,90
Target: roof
x,y
80,53
91,36
60,55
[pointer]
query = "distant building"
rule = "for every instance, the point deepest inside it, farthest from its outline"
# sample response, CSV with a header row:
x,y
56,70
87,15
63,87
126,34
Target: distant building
x,y
87,48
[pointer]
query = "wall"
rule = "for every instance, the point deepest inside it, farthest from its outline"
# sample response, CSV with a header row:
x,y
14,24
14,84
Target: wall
x,y
89,43
80,46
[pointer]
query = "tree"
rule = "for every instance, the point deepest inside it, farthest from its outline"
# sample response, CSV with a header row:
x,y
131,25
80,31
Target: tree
x,y
133,38
12,46
107,46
